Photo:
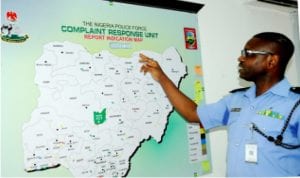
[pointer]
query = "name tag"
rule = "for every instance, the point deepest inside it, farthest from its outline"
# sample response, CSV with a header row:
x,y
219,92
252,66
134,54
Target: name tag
x,y
251,153
235,110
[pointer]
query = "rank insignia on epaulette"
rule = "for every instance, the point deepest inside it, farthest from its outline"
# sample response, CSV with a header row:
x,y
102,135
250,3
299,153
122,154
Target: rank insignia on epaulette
x,y
239,89
295,89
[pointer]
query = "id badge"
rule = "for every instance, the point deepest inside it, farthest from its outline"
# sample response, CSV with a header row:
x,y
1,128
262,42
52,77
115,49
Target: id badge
x,y
251,152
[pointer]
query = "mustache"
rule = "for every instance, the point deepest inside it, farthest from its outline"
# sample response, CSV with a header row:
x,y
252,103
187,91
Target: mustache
x,y
241,65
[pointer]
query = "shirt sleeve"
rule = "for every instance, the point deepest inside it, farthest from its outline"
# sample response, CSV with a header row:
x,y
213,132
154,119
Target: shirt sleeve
x,y
214,115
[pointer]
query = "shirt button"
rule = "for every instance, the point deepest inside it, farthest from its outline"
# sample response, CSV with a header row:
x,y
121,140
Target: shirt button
x,y
237,144
252,107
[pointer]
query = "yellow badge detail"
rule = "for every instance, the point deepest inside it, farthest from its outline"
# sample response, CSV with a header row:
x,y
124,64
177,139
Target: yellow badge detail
x,y
270,113
199,91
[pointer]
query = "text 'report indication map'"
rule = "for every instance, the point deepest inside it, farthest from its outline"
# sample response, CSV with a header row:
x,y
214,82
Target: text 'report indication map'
x,y
94,110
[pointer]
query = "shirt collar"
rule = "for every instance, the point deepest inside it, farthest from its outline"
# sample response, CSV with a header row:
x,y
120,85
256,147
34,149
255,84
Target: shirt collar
x,y
282,88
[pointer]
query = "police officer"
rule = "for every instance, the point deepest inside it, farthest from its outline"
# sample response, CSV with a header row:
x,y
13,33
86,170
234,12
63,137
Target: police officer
x,y
263,121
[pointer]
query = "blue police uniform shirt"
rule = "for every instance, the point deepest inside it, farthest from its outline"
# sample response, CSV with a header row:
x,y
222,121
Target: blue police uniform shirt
x,y
268,111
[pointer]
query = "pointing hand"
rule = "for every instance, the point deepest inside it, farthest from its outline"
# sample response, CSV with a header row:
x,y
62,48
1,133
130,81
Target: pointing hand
x,y
151,66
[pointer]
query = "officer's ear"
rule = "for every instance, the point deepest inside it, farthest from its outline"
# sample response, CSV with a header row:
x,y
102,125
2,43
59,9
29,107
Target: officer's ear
x,y
273,61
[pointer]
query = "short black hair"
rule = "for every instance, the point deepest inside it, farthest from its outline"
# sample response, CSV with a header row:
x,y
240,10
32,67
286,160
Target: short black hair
x,y
286,46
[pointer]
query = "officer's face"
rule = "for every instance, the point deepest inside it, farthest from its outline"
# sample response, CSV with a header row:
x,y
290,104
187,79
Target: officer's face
x,y
252,62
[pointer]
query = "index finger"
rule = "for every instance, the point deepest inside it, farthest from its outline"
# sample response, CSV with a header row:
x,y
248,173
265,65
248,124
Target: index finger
x,y
144,58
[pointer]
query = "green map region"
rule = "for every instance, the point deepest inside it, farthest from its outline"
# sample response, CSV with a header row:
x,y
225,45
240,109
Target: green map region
x,y
100,117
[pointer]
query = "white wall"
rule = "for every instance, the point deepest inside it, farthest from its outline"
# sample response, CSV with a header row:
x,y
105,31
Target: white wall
x,y
224,27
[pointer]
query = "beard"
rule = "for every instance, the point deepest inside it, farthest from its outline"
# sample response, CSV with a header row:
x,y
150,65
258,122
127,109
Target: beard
x,y
245,73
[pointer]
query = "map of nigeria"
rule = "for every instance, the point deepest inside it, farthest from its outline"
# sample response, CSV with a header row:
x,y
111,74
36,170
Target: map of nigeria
x,y
95,110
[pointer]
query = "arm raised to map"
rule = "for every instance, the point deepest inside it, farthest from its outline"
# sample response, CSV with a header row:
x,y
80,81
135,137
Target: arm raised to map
x,y
184,105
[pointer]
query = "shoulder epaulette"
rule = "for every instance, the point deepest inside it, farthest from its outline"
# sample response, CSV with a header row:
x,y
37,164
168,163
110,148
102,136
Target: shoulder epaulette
x,y
295,89
239,89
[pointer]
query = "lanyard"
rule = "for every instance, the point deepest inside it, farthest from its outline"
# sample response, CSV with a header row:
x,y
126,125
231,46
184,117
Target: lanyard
x,y
279,138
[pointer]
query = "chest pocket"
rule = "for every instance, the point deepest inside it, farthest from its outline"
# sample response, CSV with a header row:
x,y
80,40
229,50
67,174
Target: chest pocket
x,y
268,125
272,125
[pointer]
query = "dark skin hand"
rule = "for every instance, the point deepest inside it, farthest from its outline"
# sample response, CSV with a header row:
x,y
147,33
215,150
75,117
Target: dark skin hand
x,y
184,105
